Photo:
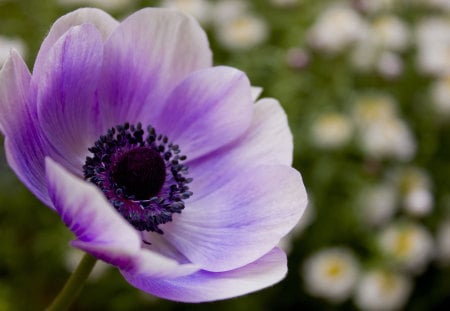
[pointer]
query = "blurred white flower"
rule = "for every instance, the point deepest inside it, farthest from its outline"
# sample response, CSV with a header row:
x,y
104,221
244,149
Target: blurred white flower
x,y
331,274
331,130
390,32
386,36
236,28
388,138
242,32
225,10
199,9
408,245
378,203
440,96
443,242
336,29
104,4
73,257
390,64
415,187
382,290
433,45
418,202
372,108
6,44
381,134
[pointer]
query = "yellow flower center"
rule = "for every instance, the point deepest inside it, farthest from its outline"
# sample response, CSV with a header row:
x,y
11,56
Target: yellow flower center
x,y
335,269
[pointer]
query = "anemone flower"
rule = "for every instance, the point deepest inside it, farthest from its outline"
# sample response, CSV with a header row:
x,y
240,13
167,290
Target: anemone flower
x,y
159,163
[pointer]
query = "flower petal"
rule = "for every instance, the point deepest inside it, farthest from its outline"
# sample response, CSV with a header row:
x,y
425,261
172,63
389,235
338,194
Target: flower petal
x,y
209,286
67,109
256,92
149,264
23,145
207,110
143,263
241,221
145,58
268,141
87,213
14,85
101,20
101,231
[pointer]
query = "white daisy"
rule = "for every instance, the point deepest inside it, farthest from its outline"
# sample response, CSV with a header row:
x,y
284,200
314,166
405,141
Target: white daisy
x,y
415,187
331,274
336,29
378,203
408,245
381,133
242,32
331,130
199,9
382,290
433,45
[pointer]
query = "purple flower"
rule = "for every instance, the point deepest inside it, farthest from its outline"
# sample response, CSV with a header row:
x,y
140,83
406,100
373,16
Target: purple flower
x,y
160,164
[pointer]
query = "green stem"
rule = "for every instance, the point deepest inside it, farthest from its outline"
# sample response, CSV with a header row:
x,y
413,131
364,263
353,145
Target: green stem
x,y
74,284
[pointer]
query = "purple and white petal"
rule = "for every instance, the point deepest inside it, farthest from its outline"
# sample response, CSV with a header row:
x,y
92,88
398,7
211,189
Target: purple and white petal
x,y
67,108
158,244
101,20
239,222
209,286
149,264
145,58
103,232
14,86
256,92
193,116
268,141
24,148
86,212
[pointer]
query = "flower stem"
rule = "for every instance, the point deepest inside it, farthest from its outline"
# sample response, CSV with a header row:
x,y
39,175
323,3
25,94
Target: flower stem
x,y
74,284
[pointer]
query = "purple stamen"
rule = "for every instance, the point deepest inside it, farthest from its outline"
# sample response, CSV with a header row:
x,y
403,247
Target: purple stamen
x,y
144,179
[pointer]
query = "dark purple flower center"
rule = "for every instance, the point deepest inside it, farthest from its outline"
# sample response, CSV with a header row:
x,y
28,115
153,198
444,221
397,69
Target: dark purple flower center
x,y
142,177
141,172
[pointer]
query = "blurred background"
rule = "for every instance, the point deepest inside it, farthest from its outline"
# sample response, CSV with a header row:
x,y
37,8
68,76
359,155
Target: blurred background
x,y
366,86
